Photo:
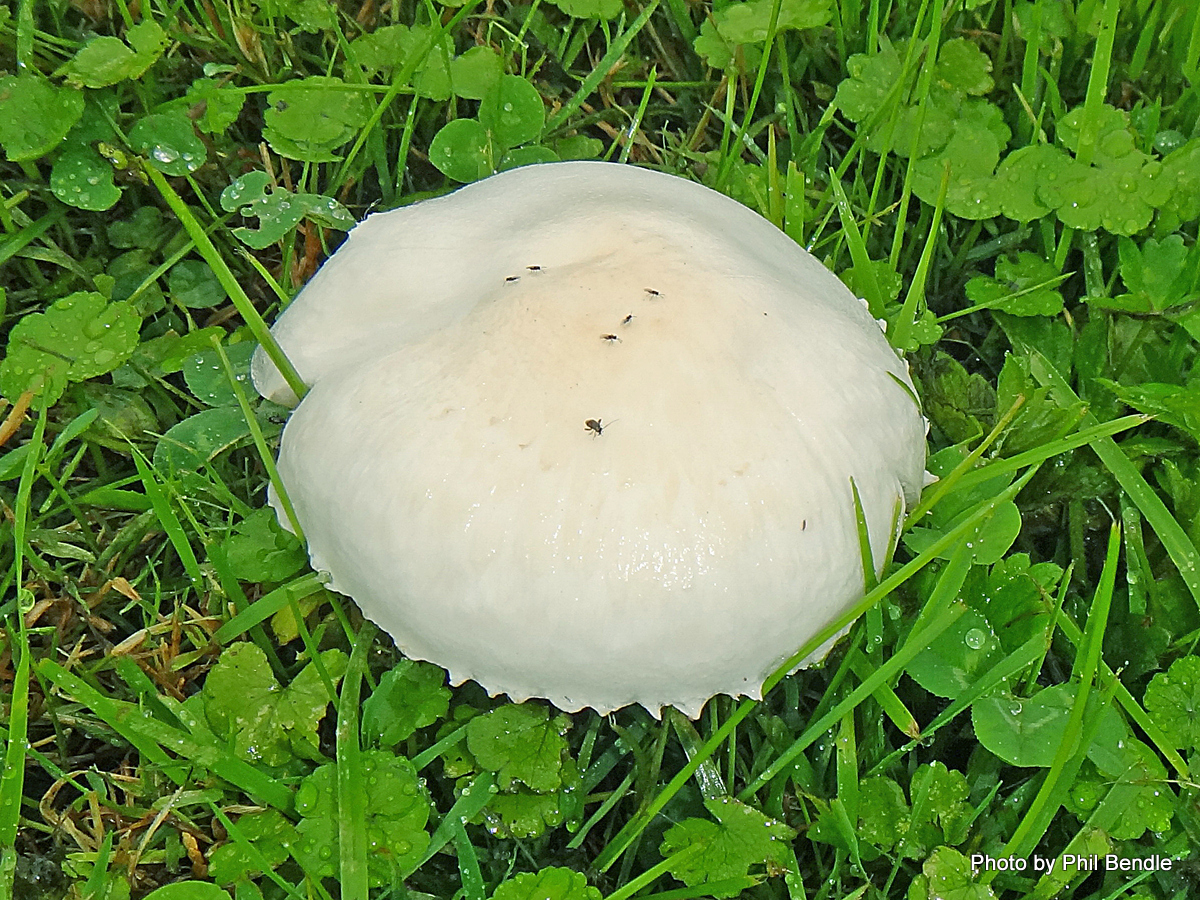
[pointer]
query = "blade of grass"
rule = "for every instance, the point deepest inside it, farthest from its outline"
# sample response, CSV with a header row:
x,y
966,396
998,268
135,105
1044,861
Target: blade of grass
x,y
891,668
600,72
260,443
1174,539
149,736
1072,751
207,250
169,521
473,798
351,782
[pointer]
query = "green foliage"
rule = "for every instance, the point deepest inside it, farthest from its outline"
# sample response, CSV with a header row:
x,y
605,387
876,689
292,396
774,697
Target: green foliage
x,y
746,22
258,550
188,890
278,210
310,118
169,143
1024,286
409,696
939,814
1173,701
520,743
957,657
260,719
395,816
104,60
948,874
547,884
80,336
1067,247
35,115
739,839
264,836
511,114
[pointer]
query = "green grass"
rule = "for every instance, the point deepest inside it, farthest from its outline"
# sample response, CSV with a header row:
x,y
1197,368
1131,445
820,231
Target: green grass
x,y
1013,186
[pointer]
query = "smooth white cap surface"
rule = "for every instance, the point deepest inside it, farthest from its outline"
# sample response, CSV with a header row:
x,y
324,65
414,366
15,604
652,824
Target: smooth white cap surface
x,y
445,477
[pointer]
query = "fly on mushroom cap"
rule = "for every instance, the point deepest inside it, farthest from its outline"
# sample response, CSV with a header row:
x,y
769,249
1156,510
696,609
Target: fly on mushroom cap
x,y
442,478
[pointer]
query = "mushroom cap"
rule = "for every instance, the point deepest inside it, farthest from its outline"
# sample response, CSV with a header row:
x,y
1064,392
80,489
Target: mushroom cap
x,y
586,432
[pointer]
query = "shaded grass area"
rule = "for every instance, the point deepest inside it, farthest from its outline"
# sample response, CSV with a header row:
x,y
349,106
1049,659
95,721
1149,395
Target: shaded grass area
x,y
1012,186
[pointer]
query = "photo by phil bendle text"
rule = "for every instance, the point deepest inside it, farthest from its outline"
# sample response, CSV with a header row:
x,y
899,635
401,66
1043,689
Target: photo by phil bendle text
x,y
1111,862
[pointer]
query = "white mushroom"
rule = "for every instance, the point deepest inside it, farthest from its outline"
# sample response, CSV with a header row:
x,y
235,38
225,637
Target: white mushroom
x,y
586,432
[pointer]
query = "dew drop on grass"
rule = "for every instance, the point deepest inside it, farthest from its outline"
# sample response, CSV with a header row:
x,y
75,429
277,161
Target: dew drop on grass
x,y
975,638
1015,708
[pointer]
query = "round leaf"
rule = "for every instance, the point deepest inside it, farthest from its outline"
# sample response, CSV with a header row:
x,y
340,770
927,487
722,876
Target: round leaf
x,y
83,178
1024,732
206,377
547,884
78,337
199,438
526,156
193,284
462,151
512,111
957,657
170,143
35,115
475,72
188,890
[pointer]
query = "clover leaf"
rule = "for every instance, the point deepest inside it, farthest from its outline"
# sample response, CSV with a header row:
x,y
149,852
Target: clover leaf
x,y
963,67
409,696
475,73
1119,189
1181,167
1016,598
278,210
1157,275
957,657
264,721
872,78
883,812
1019,176
259,550
35,115
1173,702
83,178
168,141
197,440
219,106
590,9
80,336
547,884
194,285
396,812
385,48
740,837
1024,732
309,118
947,875
207,379
268,832
1024,286
520,742
977,135
746,22
512,111
106,60
1136,786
